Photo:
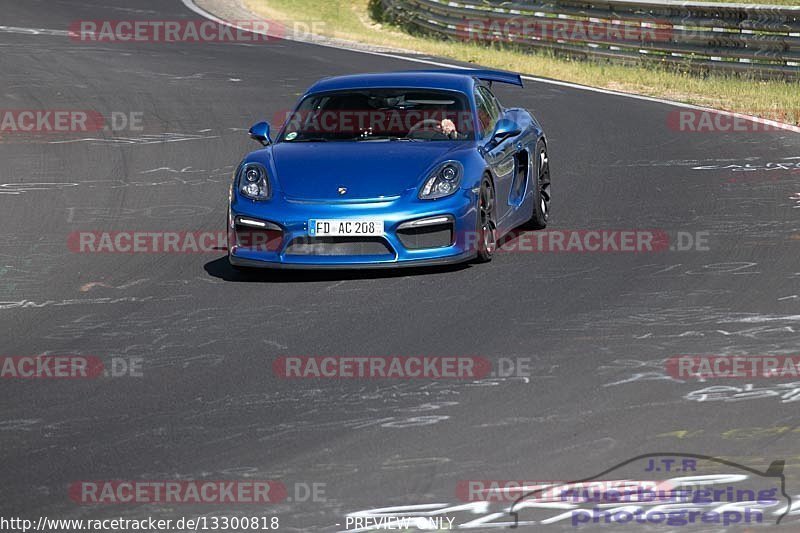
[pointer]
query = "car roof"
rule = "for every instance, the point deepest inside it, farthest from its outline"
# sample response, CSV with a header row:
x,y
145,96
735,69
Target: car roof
x,y
454,81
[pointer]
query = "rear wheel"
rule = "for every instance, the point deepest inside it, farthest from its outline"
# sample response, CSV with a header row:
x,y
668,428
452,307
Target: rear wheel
x,y
487,226
541,197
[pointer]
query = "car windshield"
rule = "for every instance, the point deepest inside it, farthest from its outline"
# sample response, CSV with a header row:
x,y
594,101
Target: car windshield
x,y
367,115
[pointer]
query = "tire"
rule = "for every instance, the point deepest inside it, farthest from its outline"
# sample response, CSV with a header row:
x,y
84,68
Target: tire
x,y
487,226
541,195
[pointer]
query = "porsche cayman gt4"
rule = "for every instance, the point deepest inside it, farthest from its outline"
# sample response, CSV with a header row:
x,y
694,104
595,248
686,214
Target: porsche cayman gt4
x,y
385,170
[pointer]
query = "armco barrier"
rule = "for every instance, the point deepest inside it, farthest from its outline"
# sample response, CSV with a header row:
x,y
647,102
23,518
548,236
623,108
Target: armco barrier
x,y
758,39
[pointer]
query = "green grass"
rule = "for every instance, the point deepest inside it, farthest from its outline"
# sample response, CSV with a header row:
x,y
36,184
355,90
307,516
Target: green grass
x,y
350,20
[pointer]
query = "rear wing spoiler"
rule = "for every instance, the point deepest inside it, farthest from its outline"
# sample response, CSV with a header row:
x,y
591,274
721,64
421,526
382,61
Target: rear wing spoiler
x,y
483,75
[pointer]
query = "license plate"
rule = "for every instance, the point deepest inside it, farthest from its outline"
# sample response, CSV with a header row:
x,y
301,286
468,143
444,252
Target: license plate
x,y
357,227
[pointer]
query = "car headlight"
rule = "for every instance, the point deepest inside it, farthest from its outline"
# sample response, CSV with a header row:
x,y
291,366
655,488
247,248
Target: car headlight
x,y
443,182
253,182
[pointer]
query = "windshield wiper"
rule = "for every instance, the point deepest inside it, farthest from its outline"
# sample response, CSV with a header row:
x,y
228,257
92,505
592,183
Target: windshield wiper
x,y
308,140
387,138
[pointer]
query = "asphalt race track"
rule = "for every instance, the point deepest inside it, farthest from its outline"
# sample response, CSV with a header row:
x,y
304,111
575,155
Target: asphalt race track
x,y
202,401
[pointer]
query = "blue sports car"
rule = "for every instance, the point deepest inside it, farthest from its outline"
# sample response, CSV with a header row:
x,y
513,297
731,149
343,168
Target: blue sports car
x,y
384,170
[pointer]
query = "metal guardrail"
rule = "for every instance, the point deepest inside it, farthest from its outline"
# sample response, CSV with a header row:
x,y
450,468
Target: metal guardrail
x,y
757,39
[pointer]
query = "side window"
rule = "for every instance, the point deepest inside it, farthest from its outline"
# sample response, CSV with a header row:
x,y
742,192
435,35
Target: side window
x,y
486,114
491,101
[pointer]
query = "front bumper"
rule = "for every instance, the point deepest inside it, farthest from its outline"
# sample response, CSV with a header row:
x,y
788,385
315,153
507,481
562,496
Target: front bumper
x,y
292,217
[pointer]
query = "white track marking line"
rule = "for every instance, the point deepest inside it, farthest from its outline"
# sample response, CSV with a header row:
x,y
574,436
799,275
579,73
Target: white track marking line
x,y
34,31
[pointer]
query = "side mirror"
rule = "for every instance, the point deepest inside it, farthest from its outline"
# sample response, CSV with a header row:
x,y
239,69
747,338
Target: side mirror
x,y
260,133
505,128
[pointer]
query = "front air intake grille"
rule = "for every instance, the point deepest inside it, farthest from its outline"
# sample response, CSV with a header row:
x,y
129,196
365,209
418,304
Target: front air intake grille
x,y
327,246
417,238
258,239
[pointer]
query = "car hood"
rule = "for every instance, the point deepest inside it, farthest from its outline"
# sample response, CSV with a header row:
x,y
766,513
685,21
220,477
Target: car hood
x,y
368,170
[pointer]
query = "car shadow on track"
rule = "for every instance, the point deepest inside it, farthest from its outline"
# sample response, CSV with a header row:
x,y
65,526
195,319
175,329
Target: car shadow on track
x,y
221,268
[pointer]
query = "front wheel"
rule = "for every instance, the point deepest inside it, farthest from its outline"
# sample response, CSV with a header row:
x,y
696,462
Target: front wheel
x,y
541,195
487,225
